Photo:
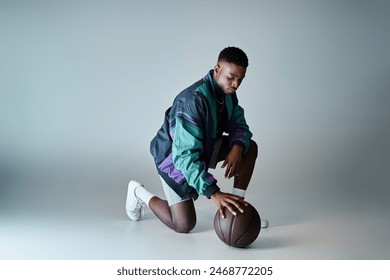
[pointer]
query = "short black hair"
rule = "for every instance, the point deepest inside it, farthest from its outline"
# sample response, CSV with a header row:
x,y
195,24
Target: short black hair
x,y
234,55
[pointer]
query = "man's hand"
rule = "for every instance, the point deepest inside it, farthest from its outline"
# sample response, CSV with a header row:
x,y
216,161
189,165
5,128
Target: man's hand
x,y
232,202
232,161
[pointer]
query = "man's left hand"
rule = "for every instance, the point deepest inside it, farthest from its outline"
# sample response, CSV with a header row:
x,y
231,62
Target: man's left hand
x,y
233,161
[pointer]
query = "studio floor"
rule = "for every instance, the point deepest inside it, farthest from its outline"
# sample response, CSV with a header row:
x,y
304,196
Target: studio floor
x,y
76,215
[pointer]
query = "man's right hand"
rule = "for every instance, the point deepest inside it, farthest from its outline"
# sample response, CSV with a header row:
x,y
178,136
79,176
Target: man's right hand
x,y
233,203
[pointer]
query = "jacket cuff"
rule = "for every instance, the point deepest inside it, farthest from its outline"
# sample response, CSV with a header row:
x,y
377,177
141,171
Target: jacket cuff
x,y
211,190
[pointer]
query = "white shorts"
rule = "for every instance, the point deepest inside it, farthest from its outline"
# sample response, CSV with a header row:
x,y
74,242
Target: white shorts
x,y
171,196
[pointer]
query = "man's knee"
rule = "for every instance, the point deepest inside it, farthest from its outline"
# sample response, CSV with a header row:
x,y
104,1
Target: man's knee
x,y
185,227
183,216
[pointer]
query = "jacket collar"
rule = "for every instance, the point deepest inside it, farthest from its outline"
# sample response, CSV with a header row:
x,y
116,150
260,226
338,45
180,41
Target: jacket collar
x,y
216,90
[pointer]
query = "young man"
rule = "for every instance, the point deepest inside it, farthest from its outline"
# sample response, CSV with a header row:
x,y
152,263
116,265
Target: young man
x,y
204,125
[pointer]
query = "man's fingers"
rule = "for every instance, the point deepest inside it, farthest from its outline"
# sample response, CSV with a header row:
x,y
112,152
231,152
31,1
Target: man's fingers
x,y
231,170
221,213
233,211
227,171
233,205
232,173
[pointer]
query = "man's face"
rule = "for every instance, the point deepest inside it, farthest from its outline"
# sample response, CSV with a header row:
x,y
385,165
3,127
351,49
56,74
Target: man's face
x,y
228,76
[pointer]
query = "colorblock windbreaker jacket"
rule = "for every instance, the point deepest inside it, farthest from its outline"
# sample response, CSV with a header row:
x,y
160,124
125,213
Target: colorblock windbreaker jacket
x,y
184,144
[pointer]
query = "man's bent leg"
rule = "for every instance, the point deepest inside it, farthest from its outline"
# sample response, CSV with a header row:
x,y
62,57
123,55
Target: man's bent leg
x,y
181,217
175,212
242,179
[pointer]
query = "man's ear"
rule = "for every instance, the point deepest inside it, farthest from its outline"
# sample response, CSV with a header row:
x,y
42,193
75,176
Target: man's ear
x,y
217,68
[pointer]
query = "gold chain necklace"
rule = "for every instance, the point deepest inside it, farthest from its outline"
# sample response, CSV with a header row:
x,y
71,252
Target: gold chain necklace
x,y
220,105
223,101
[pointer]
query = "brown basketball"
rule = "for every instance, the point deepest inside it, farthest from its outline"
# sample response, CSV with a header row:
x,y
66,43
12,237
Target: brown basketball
x,y
238,231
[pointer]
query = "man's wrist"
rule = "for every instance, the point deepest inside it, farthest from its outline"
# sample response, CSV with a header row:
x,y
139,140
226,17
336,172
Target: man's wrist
x,y
238,145
211,190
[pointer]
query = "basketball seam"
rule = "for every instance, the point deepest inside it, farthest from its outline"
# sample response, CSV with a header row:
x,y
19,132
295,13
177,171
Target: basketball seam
x,y
220,229
246,230
231,231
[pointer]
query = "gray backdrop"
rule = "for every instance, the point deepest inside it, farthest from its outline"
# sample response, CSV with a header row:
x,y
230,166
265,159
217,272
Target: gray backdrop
x,y
84,85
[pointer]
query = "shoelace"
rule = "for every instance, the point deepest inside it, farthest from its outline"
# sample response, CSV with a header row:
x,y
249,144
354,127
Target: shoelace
x,y
138,207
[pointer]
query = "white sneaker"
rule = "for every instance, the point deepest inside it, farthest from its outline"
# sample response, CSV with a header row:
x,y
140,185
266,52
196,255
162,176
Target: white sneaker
x,y
134,206
264,223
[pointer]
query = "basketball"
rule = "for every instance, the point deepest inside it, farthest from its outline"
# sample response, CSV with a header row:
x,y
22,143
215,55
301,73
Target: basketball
x,y
238,231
